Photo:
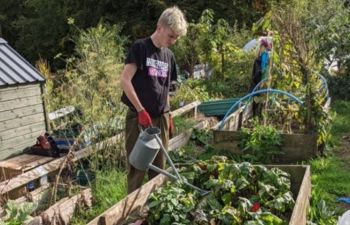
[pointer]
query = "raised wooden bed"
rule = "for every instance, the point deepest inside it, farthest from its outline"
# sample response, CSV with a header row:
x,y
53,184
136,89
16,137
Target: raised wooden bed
x,y
62,211
295,147
134,202
181,139
43,168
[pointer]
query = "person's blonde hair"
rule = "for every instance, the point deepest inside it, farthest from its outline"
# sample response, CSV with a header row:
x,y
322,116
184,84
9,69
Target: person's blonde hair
x,y
174,19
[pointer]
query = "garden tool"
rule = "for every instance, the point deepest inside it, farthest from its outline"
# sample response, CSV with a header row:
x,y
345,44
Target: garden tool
x,y
146,149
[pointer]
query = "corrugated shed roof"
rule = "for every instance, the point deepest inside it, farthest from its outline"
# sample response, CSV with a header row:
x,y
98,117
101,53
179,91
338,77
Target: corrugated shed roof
x,y
14,69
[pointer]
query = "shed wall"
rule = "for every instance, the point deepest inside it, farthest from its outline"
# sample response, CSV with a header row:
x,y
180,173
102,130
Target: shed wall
x,y
22,118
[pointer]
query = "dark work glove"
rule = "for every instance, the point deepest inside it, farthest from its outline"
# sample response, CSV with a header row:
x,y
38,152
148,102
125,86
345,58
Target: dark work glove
x,y
144,119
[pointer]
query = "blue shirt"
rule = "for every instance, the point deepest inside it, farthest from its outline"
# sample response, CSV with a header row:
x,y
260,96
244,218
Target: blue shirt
x,y
264,64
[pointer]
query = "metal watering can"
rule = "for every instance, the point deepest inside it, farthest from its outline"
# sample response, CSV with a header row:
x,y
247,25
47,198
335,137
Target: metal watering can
x,y
146,149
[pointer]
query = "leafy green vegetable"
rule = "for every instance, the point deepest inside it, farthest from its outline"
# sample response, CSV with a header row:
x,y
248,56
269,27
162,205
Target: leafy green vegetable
x,y
261,143
239,194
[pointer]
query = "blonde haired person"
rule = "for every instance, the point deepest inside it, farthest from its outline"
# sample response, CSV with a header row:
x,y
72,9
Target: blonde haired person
x,y
149,69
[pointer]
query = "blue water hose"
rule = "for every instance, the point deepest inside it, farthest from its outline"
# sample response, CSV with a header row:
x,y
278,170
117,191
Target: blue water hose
x,y
248,96
324,83
254,90
258,85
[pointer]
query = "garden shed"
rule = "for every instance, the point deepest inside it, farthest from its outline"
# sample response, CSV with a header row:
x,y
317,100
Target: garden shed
x,y
22,111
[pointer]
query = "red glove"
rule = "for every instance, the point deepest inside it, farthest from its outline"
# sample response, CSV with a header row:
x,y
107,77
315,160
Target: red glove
x,y
171,126
144,119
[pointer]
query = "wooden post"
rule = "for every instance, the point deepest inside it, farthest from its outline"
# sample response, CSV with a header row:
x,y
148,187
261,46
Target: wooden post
x,y
47,122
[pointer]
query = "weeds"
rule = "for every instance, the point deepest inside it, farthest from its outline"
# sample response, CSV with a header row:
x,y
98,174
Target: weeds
x,y
17,214
108,188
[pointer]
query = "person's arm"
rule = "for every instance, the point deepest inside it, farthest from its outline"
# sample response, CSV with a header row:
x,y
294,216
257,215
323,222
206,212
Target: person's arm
x,y
127,75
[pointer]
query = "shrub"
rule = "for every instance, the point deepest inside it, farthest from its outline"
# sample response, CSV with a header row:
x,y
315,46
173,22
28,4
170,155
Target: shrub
x,y
188,92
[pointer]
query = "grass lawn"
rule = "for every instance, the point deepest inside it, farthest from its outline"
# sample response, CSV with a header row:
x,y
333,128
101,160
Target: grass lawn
x,y
330,175
108,189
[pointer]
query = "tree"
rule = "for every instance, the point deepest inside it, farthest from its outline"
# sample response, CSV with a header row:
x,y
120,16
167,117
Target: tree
x,y
9,12
297,66
42,29
329,28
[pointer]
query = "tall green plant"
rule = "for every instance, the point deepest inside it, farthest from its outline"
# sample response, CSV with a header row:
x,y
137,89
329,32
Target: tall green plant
x,y
262,142
189,92
217,45
92,76
90,82
296,66
197,45
186,49
328,23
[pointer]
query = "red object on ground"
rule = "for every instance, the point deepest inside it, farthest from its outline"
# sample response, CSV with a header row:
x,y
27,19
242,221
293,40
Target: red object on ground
x,y
255,207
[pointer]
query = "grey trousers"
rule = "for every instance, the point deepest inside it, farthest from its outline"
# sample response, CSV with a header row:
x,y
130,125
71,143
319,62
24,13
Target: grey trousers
x,y
135,176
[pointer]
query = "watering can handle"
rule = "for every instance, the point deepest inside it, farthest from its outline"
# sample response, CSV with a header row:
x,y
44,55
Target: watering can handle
x,y
168,157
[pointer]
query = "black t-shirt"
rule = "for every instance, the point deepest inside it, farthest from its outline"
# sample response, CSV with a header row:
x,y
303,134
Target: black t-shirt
x,y
156,67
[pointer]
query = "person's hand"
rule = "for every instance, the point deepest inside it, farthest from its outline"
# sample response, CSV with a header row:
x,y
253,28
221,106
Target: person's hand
x,y
144,119
171,126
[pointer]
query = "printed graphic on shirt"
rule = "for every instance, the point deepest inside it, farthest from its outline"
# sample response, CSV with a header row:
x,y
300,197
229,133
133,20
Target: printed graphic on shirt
x,y
156,68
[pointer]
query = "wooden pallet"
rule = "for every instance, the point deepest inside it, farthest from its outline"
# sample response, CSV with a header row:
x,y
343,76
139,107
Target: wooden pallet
x,y
18,165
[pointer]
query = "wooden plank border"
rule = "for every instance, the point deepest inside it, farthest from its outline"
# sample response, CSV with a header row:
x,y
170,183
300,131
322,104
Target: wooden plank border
x,y
232,121
185,109
62,211
302,203
301,186
54,165
136,200
181,139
